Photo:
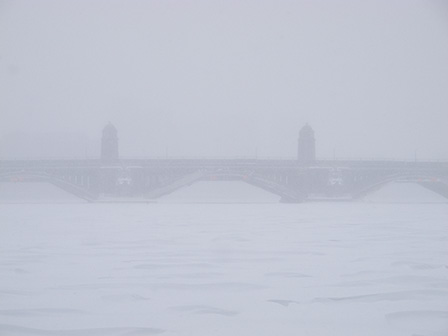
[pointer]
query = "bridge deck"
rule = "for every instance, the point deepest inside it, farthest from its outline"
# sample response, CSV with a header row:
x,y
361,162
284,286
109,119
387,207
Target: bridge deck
x,y
217,162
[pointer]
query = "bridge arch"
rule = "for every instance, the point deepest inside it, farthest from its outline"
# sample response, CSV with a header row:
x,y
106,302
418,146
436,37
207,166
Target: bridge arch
x,y
287,194
68,186
435,183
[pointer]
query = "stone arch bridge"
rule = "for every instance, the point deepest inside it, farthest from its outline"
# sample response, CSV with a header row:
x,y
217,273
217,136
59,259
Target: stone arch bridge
x,y
292,180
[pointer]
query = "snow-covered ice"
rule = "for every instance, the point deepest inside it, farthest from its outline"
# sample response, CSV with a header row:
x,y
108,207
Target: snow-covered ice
x,y
224,269
404,192
35,192
220,192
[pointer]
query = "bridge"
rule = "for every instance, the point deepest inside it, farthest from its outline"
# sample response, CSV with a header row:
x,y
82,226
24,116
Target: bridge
x,y
294,180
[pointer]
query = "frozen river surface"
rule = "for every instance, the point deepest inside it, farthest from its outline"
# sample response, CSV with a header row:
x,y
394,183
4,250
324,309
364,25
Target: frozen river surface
x,y
224,269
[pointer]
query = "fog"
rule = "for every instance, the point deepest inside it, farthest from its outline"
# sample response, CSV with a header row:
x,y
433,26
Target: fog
x,y
224,78
216,168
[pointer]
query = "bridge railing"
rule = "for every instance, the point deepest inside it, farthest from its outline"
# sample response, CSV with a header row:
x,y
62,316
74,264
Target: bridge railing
x,y
216,161
199,157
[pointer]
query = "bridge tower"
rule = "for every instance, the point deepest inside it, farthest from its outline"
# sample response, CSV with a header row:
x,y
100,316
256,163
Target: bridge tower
x,y
307,145
109,143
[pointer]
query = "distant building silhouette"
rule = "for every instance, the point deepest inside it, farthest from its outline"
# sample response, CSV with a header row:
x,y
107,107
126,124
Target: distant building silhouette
x,y
109,143
307,145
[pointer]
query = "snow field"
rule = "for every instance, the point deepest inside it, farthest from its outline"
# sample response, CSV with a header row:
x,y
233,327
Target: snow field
x,y
224,269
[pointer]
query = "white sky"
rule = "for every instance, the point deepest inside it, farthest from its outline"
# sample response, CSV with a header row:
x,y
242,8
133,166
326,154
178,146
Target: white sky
x,y
225,78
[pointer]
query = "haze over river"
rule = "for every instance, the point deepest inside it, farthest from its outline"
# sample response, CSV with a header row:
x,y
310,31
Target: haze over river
x,y
377,267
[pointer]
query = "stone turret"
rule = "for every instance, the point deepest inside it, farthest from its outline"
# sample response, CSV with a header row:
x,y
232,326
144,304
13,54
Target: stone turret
x,y
109,143
307,145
